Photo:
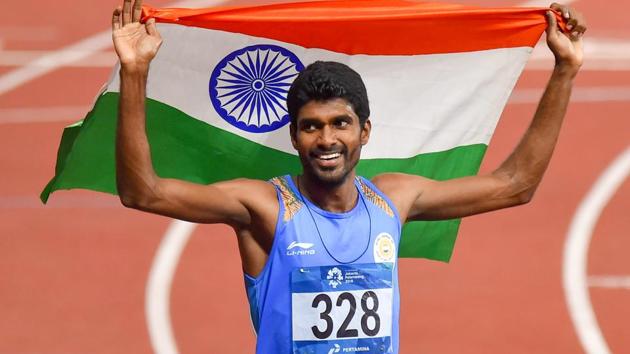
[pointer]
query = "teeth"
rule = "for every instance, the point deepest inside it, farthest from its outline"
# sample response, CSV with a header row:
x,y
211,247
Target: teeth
x,y
330,156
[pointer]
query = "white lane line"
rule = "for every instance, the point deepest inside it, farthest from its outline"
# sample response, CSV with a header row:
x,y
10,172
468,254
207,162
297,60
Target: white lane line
x,y
609,281
26,115
90,59
576,246
158,290
52,61
600,54
72,53
579,94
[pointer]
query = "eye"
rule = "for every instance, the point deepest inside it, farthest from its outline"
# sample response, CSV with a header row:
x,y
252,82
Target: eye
x,y
309,127
342,123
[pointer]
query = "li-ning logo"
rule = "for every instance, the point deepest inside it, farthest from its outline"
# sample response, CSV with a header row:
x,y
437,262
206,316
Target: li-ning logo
x,y
303,249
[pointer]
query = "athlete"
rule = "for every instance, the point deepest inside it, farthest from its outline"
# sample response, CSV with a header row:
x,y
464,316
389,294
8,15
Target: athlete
x,y
319,249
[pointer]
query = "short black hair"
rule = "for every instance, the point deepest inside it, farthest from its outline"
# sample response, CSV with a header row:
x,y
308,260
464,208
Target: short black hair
x,y
324,80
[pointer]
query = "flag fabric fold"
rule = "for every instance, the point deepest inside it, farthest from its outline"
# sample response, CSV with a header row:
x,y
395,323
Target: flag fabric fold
x,y
438,77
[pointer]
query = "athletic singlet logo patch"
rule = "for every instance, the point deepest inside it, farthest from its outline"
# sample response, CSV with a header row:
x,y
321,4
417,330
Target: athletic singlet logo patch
x,y
248,88
302,245
384,248
300,249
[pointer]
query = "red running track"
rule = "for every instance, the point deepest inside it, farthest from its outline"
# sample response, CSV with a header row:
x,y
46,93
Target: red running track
x,y
73,273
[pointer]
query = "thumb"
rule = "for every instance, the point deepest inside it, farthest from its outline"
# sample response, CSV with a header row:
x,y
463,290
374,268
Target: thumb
x,y
151,28
552,25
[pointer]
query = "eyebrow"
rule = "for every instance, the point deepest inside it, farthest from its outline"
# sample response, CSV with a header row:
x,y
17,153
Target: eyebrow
x,y
315,120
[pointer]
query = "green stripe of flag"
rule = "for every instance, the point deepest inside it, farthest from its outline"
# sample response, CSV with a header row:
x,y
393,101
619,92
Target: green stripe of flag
x,y
185,148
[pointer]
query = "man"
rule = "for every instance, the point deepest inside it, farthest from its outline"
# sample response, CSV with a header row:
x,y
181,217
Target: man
x,y
343,292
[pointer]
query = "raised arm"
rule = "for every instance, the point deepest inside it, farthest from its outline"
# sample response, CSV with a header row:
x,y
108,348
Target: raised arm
x,y
139,187
516,179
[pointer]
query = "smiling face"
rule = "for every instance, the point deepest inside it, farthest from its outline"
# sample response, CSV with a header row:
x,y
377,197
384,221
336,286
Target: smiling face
x,y
328,137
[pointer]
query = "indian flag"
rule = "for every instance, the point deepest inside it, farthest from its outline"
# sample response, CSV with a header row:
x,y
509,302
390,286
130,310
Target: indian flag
x,y
437,75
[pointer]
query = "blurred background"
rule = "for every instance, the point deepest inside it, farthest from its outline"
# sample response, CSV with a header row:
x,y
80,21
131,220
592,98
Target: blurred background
x,y
74,275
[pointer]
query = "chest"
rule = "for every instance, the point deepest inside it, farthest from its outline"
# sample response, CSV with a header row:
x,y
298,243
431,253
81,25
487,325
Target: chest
x,y
309,241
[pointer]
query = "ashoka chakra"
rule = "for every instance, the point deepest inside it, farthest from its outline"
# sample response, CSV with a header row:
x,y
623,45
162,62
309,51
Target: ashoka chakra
x,y
248,88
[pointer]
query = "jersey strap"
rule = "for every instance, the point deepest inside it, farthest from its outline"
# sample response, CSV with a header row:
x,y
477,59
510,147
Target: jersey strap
x,y
290,202
375,198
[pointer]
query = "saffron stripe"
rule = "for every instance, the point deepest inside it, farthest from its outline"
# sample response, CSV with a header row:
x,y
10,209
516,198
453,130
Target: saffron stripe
x,y
367,25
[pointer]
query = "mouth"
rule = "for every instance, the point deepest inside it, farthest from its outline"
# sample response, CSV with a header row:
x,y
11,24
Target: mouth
x,y
328,159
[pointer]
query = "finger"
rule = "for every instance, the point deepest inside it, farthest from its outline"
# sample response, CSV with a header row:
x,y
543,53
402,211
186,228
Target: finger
x,y
126,14
576,25
577,34
564,10
116,19
137,11
552,25
580,28
152,29
580,23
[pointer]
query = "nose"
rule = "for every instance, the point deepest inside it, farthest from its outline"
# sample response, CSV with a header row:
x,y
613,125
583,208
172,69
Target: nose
x,y
327,138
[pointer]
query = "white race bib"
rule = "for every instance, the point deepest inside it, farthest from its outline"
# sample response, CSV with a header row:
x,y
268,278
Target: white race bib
x,y
342,308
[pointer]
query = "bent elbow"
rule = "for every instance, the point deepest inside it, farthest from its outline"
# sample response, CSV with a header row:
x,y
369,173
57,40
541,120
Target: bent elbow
x,y
516,191
524,199
132,201
525,196
137,195
128,201
140,201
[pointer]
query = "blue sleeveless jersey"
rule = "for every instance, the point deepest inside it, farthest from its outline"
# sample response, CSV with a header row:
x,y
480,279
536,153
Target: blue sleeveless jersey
x,y
330,284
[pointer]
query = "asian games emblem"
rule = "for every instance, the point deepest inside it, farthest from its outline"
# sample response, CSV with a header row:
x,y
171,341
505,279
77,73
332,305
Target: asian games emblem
x,y
249,87
334,277
384,248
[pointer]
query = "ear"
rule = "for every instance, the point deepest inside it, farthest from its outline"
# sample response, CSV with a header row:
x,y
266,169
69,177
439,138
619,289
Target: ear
x,y
292,133
365,131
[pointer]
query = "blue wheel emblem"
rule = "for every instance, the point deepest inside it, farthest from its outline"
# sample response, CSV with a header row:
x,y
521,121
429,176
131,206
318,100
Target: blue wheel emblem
x,y
248,88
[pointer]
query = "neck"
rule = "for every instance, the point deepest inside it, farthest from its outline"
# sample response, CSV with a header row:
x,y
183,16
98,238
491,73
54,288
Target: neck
x,y
336,198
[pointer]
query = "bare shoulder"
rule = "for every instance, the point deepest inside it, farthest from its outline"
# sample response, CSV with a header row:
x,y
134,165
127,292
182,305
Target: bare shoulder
x,y
245,188
402,189
259,198
256,195
255,234
238,202
393,184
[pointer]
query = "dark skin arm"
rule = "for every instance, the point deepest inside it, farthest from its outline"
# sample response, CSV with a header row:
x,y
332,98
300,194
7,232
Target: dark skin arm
x,y
249,206
516,179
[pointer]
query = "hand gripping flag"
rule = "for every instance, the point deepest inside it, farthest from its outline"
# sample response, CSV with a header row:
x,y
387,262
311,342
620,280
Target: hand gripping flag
x,y
437,75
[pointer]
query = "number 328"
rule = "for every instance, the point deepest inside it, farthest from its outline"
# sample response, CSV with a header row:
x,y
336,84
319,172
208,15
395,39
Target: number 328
x,y
369,305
